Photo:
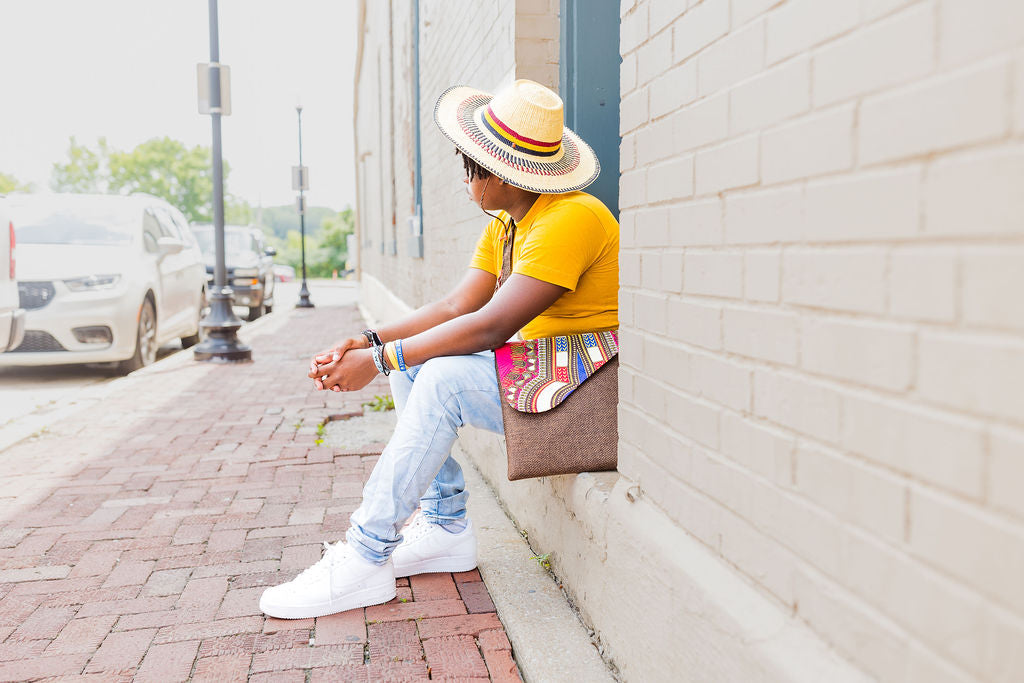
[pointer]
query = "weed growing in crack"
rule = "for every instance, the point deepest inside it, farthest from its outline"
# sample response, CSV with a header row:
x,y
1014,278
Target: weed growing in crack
x,y
381,403
543,560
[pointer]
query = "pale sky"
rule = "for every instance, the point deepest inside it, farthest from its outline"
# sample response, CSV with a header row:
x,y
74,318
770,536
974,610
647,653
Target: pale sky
x,y
126,69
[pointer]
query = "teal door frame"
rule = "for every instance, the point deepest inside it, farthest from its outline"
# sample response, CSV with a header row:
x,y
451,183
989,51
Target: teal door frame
x,y
589,85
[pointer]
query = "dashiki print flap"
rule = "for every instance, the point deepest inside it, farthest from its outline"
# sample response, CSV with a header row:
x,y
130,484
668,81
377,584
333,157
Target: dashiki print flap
x,y
538,374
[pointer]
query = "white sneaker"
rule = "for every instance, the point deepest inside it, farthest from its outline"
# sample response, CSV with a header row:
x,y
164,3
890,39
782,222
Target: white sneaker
x,y
340,581
428,548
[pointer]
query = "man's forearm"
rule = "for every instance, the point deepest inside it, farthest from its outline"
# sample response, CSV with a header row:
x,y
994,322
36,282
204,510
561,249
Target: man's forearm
x,y
422,319
519,301
475,290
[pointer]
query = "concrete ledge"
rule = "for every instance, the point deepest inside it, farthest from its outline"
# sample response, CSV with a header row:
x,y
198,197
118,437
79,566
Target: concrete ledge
x,y
377,302
663,605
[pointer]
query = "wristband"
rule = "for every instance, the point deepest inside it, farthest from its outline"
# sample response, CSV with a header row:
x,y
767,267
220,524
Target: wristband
x,y
378,360
398,353
390,356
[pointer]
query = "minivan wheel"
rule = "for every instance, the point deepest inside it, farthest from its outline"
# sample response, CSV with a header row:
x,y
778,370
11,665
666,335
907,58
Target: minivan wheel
x,y
145,340
193,339
254,312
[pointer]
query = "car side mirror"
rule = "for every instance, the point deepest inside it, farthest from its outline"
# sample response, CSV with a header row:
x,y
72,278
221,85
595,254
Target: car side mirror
x,y
270,251
169,245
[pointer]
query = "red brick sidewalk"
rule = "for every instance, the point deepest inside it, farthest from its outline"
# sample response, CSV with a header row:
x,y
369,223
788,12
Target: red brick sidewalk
x,y
137,534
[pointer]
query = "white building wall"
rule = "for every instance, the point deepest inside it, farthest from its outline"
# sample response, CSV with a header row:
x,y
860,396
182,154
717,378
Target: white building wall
x,y
460,43
822,414
822,272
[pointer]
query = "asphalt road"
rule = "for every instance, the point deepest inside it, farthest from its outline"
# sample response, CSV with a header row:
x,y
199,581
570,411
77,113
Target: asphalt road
x,y
28,391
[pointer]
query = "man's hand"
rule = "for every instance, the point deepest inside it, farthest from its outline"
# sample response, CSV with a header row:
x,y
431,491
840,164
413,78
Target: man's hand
x,y
353,370
333,355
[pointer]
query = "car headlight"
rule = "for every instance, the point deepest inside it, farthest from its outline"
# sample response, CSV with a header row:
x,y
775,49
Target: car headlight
x,y
246,272
92,283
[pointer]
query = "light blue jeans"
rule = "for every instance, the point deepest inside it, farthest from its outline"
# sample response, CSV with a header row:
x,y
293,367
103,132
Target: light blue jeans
x,y
433,400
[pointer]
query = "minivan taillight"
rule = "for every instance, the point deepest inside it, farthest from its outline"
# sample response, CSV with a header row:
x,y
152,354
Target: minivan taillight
x,y
10,227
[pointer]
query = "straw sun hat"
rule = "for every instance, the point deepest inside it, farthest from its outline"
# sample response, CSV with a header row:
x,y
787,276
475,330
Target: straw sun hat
x,y
518,135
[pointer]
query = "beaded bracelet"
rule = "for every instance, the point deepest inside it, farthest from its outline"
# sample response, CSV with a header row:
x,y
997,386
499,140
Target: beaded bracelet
x,y
398,352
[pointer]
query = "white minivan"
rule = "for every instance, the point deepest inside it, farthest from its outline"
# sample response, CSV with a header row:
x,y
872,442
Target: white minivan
x,y
12,316
104,278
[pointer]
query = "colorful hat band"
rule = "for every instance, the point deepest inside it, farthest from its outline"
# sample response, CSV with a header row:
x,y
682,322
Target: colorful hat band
x,y
465,117
518,142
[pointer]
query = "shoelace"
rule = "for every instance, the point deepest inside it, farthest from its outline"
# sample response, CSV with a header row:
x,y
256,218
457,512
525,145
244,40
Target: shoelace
x,y
332,553
418,529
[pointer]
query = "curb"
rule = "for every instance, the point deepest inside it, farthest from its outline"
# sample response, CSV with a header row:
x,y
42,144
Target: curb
x,y
548,640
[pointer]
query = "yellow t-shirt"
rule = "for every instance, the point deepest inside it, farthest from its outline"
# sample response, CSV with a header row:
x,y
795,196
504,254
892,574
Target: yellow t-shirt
x,y
570,240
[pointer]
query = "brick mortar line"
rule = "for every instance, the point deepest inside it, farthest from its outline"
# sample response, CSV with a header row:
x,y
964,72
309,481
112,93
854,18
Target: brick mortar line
x,y
979,503
28,425
805,312
847,525
843,386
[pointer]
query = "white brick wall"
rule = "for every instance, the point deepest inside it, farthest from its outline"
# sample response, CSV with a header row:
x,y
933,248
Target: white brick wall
x,y
486,45
822,325
839,364
771,96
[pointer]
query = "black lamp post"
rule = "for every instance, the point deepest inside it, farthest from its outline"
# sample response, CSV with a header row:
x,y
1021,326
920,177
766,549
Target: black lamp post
x,y
221,325
302,183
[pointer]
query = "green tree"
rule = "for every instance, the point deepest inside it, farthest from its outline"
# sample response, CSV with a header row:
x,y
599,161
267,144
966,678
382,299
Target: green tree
x,y
283,219
162,167
9,183
326,251
237,211
332,249
85,170
168,169
289,250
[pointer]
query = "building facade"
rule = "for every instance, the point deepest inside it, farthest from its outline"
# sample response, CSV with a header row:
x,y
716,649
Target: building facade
x,y
821,423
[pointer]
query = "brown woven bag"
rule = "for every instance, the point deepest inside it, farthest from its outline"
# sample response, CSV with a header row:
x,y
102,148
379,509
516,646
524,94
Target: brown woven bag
x,y
580,434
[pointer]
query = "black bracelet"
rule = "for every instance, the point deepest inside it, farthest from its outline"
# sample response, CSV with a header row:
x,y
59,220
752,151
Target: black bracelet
x,y
372,337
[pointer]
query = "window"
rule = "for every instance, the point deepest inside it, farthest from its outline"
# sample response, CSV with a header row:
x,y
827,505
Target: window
x,y
183,227
167,226
150,231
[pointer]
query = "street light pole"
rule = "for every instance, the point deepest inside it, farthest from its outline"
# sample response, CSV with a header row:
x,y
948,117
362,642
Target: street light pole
x,y
221,325
304,301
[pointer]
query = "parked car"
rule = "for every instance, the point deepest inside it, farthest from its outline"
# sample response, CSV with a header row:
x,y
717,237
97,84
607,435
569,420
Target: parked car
x,y
104,278
12,316
283,273
249,263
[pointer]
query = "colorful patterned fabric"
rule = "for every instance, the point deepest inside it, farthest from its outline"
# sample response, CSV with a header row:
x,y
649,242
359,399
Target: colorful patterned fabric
x,y
538,374
516,141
